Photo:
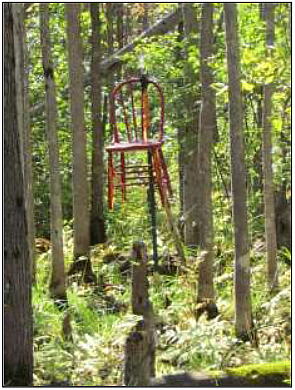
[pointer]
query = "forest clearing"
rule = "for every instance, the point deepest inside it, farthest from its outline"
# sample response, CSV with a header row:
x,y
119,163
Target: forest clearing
x,y
147,194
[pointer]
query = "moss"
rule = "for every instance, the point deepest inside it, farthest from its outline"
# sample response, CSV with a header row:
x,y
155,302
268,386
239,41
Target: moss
x,y
264,369
274,373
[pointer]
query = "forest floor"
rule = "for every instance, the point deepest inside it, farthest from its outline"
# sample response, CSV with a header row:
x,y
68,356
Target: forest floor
x,y
101,319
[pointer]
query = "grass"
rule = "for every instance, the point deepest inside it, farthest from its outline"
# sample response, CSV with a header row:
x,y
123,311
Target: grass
x,y
99,327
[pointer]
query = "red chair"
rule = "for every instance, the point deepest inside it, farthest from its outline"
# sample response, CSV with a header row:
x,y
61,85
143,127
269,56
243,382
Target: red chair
x,y
131,122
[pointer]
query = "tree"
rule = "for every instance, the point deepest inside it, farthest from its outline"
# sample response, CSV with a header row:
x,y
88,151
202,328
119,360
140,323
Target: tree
x,y
269,203
18,331
80,184
189,139
243,315
110,17
97,225
206,136
24,125
57,283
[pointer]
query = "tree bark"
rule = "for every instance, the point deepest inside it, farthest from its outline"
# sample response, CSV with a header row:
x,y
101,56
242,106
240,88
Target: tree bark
x,y
268,190
243,315
24,123
80,183
206,294
57,283
190,137
97,224
18,332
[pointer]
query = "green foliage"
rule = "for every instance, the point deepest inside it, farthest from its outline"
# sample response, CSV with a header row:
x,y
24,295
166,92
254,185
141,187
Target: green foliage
x,y
100,324
99,331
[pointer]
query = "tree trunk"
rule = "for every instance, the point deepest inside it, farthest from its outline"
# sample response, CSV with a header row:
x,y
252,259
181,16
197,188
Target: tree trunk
x,y
18,332
97,227
110,8
80,183
190,136
180,157
243,315
206,135
24,122
57,283
269,203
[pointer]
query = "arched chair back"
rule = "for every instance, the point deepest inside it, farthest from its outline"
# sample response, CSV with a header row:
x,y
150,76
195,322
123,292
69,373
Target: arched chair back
x,y
137,113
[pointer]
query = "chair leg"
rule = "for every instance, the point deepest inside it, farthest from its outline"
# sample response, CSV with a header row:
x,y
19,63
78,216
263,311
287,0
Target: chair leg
x,y
111,188
158,171
165,172
163,190
123,177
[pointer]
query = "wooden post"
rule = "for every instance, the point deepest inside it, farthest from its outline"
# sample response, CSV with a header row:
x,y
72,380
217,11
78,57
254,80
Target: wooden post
x,y
140,343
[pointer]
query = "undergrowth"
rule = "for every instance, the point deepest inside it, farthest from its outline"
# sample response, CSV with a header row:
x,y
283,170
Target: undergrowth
x,y
101,319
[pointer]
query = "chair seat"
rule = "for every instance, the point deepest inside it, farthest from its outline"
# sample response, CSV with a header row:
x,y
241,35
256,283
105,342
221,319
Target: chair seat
x,y
136,145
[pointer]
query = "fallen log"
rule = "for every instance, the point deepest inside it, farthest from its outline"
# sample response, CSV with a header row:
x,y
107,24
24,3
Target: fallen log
x,y
276,374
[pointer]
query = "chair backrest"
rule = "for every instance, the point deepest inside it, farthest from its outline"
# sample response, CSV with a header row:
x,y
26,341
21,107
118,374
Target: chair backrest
x,y
137,110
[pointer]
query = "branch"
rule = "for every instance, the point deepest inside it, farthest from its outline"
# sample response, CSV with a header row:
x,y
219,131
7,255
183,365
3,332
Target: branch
x,y
161,27
110,64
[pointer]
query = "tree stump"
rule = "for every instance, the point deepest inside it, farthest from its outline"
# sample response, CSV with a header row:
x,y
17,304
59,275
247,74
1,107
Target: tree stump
x,y
140,284
139,356
140,344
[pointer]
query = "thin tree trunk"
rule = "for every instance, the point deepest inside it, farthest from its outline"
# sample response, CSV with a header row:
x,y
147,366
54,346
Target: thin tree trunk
x,y
57,283
80,183
119,32
18,331
269,203
28,172
145,17
24,123
243,315
97,229
179,57
190,136
110,14
207,129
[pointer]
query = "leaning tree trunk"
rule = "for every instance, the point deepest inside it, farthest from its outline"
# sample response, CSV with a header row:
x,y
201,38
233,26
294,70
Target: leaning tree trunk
x,y
189,139
243,320
18,332
80,184
24,123
206,135
57,283
97,223
269,203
